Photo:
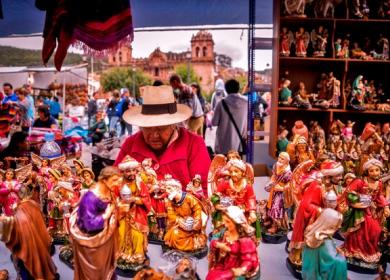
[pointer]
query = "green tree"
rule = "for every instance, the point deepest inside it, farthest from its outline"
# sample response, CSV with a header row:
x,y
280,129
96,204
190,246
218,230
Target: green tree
x,y
182,70
117,78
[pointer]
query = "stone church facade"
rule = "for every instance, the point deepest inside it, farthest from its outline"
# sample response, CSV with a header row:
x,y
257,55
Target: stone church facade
x,y
160,65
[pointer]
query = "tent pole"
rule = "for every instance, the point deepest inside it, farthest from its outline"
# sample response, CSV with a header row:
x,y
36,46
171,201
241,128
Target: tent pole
x,y
251,78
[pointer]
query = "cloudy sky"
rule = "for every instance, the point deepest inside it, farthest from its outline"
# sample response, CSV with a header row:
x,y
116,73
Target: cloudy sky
x,y
230,42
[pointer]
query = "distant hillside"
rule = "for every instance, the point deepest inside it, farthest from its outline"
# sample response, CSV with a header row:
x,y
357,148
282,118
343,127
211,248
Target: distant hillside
x,y
10,56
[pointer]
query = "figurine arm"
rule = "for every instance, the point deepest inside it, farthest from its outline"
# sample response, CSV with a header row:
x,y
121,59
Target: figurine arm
x,y
197,210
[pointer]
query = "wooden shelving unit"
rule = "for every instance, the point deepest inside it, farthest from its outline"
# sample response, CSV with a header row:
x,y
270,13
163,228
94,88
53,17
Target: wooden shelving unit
x,y
309,69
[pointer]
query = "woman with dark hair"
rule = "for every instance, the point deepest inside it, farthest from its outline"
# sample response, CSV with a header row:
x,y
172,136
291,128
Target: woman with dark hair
x,y
17,147
198,91
45,120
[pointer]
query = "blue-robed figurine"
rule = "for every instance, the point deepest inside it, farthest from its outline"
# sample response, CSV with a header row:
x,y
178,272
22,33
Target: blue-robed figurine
x,y
320,259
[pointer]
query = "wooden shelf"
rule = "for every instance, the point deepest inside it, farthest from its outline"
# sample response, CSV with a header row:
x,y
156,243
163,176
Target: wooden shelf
x,y
306,19
303,110
354,60
332,110
364,21
311,59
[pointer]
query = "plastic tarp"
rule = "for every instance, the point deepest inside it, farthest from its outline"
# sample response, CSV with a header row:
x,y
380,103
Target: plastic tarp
x,y
21,17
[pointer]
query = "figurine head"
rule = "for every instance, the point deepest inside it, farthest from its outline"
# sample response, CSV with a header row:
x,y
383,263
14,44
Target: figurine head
x,y
237,169
196,182
54,176
338,40
302,144
111,177
286,83
147,162
78,165
283,159
9,174
66,170
185,269
233,154
87,174
348,178
386,128
151,175
234,220
45,162
373,168
130,168
333,172
173,189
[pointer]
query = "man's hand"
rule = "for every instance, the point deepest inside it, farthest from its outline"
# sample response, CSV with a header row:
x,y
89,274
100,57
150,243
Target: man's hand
x,y
222,246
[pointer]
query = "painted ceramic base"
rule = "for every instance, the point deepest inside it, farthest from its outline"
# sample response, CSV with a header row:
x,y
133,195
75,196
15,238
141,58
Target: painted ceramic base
x,y
294,269
153,239
276,238
66,255
199,254
125,269
361,266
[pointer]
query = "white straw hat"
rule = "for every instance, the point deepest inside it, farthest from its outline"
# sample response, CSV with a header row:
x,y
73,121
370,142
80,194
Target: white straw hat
x,y
159,108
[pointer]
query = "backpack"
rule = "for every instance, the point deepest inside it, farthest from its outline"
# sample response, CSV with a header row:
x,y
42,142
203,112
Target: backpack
x,y
119,108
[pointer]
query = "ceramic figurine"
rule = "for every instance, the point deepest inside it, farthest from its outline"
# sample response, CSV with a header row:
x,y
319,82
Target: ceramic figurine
x,y
285,94
44,164
93,228
383,47
317,138
236,190
358,93
338,47
185,221
149,273
282,141
78,165
295,7
195,187
302,39
325,9
299,151
372,145
10,186
323,95
313,187
233,253
319,40
386,143
185,269
300,129
362,226
88,178
357,52
25,235
281,175
347,131
360,9
319,256
384,9
286,40
134,206
301,98
333,87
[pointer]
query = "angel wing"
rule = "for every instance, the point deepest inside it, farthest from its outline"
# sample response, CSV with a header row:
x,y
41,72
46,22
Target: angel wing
x,y
297,175
22,173
313,38
56,163
306,39
250,173
216,165
290,39
37,160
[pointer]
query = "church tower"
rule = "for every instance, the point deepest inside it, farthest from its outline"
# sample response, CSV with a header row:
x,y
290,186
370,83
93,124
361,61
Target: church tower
x,y
122,57
203,59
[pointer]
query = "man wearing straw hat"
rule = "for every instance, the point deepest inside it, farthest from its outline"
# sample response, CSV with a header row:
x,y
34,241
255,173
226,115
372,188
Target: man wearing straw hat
x,y
173,149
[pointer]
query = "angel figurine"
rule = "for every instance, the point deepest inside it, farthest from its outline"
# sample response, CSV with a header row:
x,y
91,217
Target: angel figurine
x,y
286,40
45,164
236,190
9,188
319,39
302,38
358,93
301,98
295,7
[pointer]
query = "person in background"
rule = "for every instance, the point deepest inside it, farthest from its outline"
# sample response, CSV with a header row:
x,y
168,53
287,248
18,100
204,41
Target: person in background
x,y
30,98
55,108
17,147
45,120
198,91
173,149
92,109
227,137
23,105
218,94
125,103
186,96
157,83
112,111
96,132
9,93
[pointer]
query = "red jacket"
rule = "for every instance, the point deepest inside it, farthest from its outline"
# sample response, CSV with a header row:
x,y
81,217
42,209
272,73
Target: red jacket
x,y
183,159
